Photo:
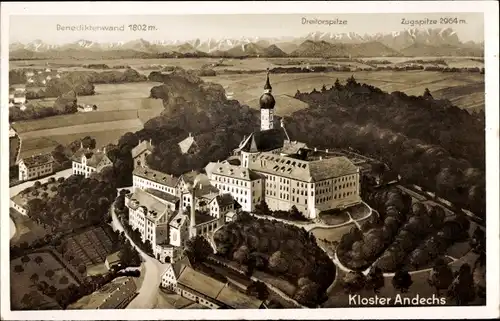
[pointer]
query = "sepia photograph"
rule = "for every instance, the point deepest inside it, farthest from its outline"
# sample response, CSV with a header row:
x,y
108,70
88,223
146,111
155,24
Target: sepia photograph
x,y
262,160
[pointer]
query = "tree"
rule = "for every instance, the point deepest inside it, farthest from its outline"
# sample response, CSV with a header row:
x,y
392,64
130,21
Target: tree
x,y
38,260
25,259
278,263
37,184
49,274
242,254
462,286
337,85
63,280
402,281
258,289
354,281
82,269
441,276
198,249
375,279
427,93
262,208
129,256
34,277
18,268
307,295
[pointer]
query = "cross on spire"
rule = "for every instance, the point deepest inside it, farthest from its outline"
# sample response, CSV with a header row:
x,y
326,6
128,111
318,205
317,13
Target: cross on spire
x,y
267,86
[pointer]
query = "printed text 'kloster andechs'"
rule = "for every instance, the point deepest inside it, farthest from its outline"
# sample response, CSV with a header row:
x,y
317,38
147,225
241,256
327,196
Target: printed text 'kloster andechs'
x,y
85,27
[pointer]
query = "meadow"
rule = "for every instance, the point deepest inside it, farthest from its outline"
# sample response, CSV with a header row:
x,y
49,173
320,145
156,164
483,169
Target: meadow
x,y
464,89
121,108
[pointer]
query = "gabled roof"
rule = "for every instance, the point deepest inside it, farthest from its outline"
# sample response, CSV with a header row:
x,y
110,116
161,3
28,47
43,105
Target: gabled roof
x,y
307,171
225,199
186,144
38,160
233,171
156,176
156,209
97,158
179,219
263,141
162,195
143,146
180,265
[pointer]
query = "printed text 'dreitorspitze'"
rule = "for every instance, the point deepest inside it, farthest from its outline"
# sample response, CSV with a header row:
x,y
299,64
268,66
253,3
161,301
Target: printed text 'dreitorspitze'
x,y
326,22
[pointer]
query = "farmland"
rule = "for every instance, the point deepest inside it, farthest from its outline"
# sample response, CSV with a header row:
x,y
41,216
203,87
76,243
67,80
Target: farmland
x,y
464,89
121,108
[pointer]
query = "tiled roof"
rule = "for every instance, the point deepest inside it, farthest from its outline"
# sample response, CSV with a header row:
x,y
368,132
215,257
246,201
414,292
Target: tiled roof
x,y
156,176
228,170
263,141
225,199
156,208
292,147
301,170
38,160
216,290
180,265
142,147
94,158
164,196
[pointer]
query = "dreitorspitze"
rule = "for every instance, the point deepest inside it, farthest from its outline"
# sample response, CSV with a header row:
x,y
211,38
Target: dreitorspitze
x,y
329,22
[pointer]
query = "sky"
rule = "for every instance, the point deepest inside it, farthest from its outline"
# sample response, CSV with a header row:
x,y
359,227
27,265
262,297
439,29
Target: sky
x,y
26,28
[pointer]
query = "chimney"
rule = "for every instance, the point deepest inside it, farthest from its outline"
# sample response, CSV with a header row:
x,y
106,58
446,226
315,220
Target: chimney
x,y
104,150
189,134
327,150
150,141
321,158
81,145
315,149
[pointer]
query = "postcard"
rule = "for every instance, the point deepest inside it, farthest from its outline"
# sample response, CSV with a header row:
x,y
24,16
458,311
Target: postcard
x,y
253,160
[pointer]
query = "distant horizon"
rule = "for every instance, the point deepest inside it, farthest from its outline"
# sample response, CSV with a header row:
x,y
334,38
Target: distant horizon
x,y
26,29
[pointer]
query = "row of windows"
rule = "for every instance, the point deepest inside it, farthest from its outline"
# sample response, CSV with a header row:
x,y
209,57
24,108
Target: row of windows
x,y
231,181
335,188
335,196
144,183
232,189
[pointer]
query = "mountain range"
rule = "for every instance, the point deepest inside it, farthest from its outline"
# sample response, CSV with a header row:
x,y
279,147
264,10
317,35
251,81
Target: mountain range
x,y
411,42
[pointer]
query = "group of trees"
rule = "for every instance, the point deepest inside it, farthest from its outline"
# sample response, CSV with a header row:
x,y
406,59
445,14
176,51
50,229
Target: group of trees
x,y
293,214
404,236
419,137
79,201
193,106
358,250
64,104
280,249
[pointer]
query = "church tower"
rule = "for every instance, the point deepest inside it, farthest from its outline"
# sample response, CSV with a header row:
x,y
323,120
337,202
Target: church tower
x,y
267,103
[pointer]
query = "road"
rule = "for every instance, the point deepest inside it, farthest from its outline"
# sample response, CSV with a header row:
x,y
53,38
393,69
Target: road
x,y
147,297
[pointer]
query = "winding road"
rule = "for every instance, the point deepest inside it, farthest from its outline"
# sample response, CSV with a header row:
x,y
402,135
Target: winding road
x,y
147,297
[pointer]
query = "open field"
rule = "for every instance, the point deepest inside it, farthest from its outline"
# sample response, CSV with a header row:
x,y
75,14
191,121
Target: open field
x,y
231,64
247,88
121,108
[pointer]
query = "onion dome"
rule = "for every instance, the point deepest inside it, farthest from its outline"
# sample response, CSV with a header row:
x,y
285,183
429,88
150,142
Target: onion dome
x,y
267,101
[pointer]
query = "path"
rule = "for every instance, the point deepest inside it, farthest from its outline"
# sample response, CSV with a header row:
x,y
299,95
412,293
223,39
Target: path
x,y
147,297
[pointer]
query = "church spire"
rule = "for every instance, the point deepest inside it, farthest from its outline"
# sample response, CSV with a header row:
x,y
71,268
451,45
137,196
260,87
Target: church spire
x,y
267,86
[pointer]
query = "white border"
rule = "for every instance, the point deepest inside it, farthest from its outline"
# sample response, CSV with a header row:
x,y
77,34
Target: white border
x,y
490,10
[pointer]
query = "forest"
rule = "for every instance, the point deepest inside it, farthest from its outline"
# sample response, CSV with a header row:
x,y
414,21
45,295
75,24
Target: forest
x,y
282,250
429,142
405,235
